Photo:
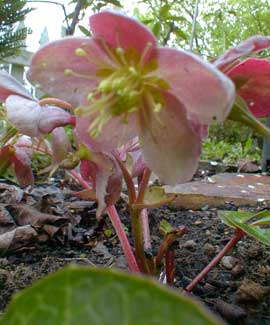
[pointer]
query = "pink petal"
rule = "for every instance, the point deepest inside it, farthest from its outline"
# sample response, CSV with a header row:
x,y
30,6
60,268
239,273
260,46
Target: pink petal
x,y
52,117
250,45
171,147
121,31
22,161
114,133
49,64
252,78
103,172
60,145
205,92
32,119
139,164
10,86
24,114
130,146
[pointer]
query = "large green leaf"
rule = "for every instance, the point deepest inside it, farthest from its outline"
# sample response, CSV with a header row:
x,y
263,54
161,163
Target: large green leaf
x,y
251,223
84,296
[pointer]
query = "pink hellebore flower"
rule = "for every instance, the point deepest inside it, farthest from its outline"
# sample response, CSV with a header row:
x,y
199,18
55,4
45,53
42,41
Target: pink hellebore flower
x,y
25,113
124,84
251,76
19,155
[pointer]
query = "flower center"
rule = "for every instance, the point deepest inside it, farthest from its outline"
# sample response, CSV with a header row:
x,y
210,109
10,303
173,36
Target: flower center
x,y
123,86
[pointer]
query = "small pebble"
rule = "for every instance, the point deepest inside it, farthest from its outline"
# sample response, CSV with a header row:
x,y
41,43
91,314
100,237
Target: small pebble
x,y
209,249
229,262
121,262
189,244
198,222
238,269
250,292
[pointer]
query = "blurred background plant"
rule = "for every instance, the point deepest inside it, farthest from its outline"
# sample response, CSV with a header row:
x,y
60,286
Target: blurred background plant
x,y
12,31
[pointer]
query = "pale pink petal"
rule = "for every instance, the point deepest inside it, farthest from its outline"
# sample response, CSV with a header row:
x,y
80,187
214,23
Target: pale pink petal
x,y
205,92
105,176
131,145
10,86
252,79
24,114
114,133
23,172
49,64
171,147
61,145
52,117
139,164
121,31
88,171
249,46
32,119
22,161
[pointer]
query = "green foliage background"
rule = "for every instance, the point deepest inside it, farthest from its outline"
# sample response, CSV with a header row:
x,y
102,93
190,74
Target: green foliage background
x,y
11,12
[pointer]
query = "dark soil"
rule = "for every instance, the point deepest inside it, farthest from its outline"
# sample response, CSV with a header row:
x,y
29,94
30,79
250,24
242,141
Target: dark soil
x,y
240,293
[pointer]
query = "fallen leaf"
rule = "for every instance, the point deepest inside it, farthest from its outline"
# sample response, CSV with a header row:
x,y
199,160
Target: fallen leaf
x,y
24,215
17,238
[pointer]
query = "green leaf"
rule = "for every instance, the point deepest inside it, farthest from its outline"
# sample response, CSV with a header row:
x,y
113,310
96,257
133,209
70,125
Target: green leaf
x,y
164,11
178,32
156,29
155,196
241,220
84,296
84,30
115,2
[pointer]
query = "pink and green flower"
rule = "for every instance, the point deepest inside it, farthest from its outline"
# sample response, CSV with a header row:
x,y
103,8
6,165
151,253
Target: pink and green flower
x,y
123,84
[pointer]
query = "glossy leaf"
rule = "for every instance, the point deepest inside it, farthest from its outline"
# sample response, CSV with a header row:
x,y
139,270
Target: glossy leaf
x,y
99,297
250,223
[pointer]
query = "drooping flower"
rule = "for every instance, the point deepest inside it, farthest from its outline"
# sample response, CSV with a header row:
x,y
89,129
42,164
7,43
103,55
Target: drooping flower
x,y
104,175
124,84
19,156
25,113
252,75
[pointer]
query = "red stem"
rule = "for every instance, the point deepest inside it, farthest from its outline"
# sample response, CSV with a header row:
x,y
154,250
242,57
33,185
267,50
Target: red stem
x,y
237,236
114,217
143,185
128,180
56,102
169,266
116,222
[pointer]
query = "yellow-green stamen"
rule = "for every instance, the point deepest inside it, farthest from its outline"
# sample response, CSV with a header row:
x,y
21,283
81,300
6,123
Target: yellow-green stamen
x,y
123,86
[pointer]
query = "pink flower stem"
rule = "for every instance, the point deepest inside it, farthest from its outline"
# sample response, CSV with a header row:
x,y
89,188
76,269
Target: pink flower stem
x,y
237,236
79,179
116,222
56,102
